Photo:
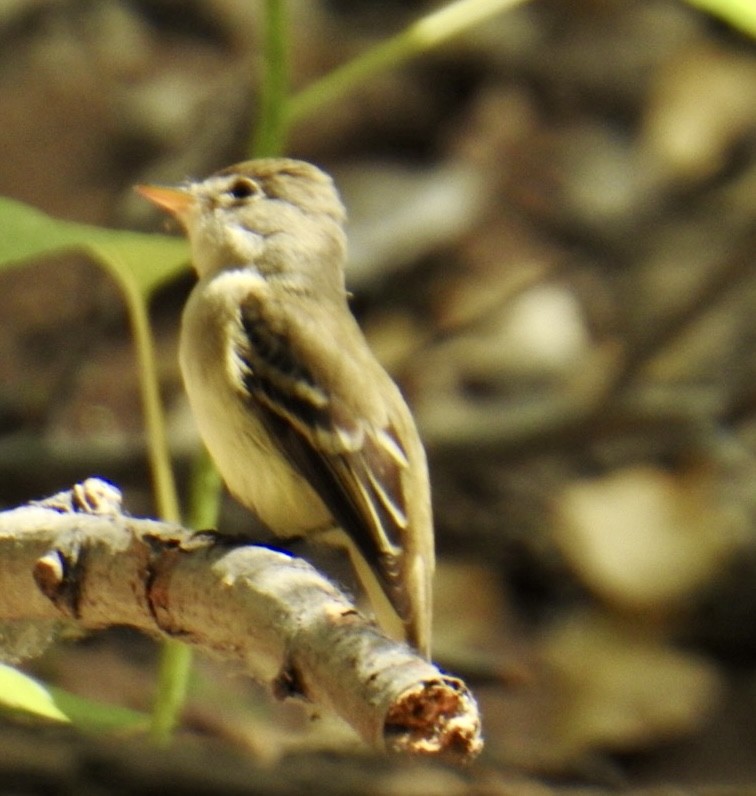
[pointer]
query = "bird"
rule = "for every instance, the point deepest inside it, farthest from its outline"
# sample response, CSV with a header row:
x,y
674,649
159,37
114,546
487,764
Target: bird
x,y
305,426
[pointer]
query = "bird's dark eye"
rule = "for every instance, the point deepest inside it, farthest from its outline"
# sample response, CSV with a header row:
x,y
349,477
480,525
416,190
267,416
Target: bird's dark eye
x,y
243,188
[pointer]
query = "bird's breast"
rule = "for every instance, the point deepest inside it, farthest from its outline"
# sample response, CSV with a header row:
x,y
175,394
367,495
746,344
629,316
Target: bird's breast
x,y
248,459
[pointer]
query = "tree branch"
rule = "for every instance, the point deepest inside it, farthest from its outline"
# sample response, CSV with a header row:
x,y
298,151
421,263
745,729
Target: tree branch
x,y
77,556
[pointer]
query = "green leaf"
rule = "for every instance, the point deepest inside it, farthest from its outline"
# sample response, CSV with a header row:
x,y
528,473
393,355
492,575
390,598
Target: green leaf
x,y
739,13
98,717
21,693
146,260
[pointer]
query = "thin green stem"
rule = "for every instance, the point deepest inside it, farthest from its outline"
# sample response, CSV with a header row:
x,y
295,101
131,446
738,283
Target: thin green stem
x,y
158,452
175,662
175,658
172,683
426,33
270,133
204,493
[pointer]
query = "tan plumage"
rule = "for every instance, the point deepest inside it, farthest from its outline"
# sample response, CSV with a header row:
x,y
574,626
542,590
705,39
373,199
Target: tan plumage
x,y
305,426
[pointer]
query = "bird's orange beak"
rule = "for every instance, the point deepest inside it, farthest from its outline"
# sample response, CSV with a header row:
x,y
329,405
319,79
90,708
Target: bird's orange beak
x,y
177,201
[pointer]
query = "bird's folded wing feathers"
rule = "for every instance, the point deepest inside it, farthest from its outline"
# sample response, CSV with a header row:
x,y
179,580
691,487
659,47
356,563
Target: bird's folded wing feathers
x,y
353,463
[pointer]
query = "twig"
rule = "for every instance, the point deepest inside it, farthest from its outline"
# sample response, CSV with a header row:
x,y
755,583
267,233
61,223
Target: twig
x,y
77,556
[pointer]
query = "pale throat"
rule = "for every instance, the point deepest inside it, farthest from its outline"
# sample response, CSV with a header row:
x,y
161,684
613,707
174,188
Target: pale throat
x,y
218,247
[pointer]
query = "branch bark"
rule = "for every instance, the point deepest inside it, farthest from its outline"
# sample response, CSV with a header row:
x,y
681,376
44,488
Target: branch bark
x,y
77,556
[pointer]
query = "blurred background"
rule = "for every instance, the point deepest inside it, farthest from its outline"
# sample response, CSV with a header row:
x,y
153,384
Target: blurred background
x,y
553,237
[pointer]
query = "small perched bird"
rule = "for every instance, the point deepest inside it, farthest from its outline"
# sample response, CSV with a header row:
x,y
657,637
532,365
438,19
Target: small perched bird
x,y
305,426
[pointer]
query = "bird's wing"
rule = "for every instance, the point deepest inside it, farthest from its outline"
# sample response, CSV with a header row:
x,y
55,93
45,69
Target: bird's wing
x,y
354,462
